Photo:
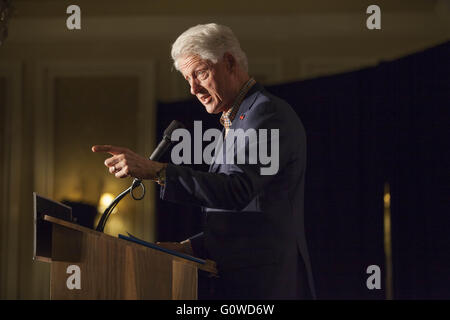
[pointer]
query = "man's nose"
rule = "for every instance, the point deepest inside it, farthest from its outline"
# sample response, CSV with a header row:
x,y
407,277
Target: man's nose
x,y
195,87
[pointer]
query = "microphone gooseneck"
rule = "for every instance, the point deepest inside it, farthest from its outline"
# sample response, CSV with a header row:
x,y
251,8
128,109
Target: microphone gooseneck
x,y
162,147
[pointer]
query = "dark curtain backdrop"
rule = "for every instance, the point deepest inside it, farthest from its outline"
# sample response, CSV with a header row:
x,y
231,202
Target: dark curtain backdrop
x,y
388,123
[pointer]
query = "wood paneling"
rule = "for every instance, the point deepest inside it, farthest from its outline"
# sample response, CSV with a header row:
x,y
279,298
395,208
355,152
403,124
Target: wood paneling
x,y
184,280
113,268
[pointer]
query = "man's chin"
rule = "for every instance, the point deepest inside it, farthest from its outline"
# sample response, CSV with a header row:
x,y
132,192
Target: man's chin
x,y
211,109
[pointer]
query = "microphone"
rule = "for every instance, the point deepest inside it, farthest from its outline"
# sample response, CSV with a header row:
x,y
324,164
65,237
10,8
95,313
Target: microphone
x,y
160,150
155,156
166,141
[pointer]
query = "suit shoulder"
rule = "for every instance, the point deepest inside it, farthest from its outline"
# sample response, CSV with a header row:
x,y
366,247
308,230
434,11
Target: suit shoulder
x,y
266,102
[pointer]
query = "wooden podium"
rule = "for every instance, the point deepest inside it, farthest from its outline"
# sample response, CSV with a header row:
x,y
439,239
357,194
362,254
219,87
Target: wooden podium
x,y
109,267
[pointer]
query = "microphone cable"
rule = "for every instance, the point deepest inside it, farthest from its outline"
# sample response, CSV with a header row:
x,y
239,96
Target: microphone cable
x,y
162,148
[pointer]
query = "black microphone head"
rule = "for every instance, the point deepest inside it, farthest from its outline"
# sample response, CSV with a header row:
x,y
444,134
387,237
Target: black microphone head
x,y
166,141
171,128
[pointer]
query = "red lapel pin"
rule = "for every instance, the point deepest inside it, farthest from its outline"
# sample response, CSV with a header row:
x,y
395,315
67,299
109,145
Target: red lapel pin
x,y
242,116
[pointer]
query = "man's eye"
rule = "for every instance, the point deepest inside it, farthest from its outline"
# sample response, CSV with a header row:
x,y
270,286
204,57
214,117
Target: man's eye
x,y
201,74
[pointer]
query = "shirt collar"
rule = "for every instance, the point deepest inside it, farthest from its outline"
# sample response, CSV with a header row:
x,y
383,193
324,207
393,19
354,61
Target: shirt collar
x,y
228,116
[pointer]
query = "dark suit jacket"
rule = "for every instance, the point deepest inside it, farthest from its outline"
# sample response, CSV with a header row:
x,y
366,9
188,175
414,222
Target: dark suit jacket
x,y
254,224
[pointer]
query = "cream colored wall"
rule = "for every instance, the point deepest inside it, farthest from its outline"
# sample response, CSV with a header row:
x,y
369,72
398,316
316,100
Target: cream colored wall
x,y
94,110
68,89
3,169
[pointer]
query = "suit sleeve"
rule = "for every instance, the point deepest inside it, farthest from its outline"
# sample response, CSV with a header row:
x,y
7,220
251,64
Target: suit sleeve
x,y
234,189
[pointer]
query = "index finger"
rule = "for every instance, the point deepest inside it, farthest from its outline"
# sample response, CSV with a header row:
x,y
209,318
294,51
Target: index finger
x,y
108,148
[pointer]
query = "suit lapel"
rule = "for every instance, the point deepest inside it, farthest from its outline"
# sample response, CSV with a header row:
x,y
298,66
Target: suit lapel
x,y
246,104
214,166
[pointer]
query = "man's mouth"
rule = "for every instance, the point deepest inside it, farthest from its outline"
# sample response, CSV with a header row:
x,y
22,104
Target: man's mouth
x,y
206,99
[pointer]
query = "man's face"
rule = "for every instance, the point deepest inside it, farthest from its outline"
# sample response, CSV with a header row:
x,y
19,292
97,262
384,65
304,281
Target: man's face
x,y
212,84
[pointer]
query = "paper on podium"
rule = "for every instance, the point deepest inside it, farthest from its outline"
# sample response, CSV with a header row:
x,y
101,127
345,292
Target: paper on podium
x,y
132,238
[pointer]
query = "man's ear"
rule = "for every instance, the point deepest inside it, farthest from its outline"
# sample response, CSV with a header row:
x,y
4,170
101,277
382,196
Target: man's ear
x,y
230,62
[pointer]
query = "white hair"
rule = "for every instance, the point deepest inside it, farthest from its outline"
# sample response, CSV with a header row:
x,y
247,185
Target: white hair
x,y
210,42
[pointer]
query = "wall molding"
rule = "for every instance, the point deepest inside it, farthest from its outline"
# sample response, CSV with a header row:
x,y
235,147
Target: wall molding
x,y
264,27
323,66
269,68
45,74
11,180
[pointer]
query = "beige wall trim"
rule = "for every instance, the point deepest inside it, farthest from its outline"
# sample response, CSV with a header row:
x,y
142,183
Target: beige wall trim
x,y
321,66
46,72
11,179
278,27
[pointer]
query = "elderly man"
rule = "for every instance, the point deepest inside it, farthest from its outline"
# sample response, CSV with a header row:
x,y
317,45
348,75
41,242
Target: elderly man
x,y
254,224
